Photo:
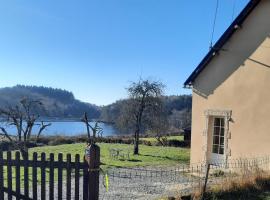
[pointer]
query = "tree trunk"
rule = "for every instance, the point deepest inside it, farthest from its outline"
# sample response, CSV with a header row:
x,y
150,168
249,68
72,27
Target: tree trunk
x,y
138,127
136,143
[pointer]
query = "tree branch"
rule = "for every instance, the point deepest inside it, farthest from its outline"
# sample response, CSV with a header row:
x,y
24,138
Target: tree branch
x,y
6,134
43,126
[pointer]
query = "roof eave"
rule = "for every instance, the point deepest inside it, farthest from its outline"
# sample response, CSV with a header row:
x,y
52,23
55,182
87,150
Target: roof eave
x,y
221,42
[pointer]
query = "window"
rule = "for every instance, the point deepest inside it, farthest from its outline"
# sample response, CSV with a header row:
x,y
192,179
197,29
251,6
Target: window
x,y
218,136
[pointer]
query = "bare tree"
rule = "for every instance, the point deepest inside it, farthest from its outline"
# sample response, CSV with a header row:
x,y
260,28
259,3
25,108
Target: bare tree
x,y
23,117
144,102
160,126
96,129
180,119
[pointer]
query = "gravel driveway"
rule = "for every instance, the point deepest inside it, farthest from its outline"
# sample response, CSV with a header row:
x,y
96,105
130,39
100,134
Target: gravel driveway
x,y
135,183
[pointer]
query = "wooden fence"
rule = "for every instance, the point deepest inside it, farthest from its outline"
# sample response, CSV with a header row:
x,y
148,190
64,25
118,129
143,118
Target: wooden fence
x,y
48,175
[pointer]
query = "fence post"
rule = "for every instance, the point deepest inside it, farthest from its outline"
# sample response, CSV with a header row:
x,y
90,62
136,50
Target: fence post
x,y
1,175
92,156
205,181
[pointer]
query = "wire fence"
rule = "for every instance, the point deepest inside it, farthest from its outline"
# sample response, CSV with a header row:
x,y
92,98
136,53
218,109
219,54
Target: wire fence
x,y
148,183
157,182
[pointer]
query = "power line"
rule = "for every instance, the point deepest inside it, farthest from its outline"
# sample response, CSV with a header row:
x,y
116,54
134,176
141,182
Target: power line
x,y
214,25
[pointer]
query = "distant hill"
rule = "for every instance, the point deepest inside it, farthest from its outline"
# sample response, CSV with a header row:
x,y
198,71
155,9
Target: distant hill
x,y
57,102
178,110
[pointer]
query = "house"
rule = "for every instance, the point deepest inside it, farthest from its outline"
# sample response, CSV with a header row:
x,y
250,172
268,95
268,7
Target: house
x,y
231,91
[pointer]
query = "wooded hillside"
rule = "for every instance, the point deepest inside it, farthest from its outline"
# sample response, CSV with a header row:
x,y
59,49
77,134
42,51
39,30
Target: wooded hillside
x,y
62,104
177,109
57,102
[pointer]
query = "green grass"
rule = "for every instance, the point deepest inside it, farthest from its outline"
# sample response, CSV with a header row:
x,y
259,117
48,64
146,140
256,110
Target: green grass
x,y
149,155
152,139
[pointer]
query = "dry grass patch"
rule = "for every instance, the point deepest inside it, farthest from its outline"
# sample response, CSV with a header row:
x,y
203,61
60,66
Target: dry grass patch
x,y
247,186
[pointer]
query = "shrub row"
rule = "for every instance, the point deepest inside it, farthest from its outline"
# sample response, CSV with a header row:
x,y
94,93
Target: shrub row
x,y
8,146
58,140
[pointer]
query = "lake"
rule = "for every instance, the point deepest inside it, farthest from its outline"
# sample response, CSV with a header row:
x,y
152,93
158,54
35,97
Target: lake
x,y
68,128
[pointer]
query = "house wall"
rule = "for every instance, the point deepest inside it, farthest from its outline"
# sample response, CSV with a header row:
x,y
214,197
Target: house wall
x,y
238,79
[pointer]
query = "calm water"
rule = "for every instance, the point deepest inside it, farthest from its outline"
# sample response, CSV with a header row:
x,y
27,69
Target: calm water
x,y
69,129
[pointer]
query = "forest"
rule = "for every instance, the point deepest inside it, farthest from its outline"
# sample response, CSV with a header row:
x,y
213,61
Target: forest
x,y
57,103
177,111
62,104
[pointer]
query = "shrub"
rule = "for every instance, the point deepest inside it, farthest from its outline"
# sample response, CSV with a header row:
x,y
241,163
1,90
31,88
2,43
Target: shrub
x,y
57,140
61,140
177,143
80,139
147,143
128,141
6,146
44,140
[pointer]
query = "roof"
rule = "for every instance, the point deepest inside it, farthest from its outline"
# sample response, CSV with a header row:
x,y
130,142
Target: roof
x,y
222,40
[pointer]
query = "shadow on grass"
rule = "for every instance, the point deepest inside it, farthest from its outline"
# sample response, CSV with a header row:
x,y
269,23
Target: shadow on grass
x,y
134,160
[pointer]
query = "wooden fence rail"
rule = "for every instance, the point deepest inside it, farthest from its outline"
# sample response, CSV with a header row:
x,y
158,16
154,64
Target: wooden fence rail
x,y
17,181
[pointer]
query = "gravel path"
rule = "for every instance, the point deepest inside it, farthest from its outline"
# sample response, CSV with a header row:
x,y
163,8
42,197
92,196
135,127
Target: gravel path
x,y
134,183
143,184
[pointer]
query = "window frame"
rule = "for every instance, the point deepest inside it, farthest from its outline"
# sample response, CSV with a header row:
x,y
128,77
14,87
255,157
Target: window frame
x,y
218,135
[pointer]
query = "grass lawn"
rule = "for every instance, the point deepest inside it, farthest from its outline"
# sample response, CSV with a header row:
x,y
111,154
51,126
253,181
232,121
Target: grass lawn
x,y
152,139
149,155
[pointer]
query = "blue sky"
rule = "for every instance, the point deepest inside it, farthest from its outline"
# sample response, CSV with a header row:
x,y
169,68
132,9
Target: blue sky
x,y
94,48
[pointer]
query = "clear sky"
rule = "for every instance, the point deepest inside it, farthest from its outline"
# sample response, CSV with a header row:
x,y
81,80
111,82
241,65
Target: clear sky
x,y
94,48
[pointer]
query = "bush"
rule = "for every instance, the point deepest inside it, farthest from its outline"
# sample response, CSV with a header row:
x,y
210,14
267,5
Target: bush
x,y
177,143
116,140
31,144
61,140
80,139
128,141
147,143
58,140
6,146
44,140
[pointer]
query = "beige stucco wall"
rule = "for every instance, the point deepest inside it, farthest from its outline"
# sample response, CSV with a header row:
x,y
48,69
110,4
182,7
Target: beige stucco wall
x,y
238,79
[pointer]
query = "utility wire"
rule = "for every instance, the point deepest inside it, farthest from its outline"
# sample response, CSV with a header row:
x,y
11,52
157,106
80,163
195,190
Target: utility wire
x,y
214,25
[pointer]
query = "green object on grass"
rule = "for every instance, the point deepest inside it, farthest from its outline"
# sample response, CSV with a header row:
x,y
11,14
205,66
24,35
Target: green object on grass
x,y
107,182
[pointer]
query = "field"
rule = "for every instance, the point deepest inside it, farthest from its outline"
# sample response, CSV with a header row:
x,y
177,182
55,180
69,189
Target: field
x,y
151,139
149,155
